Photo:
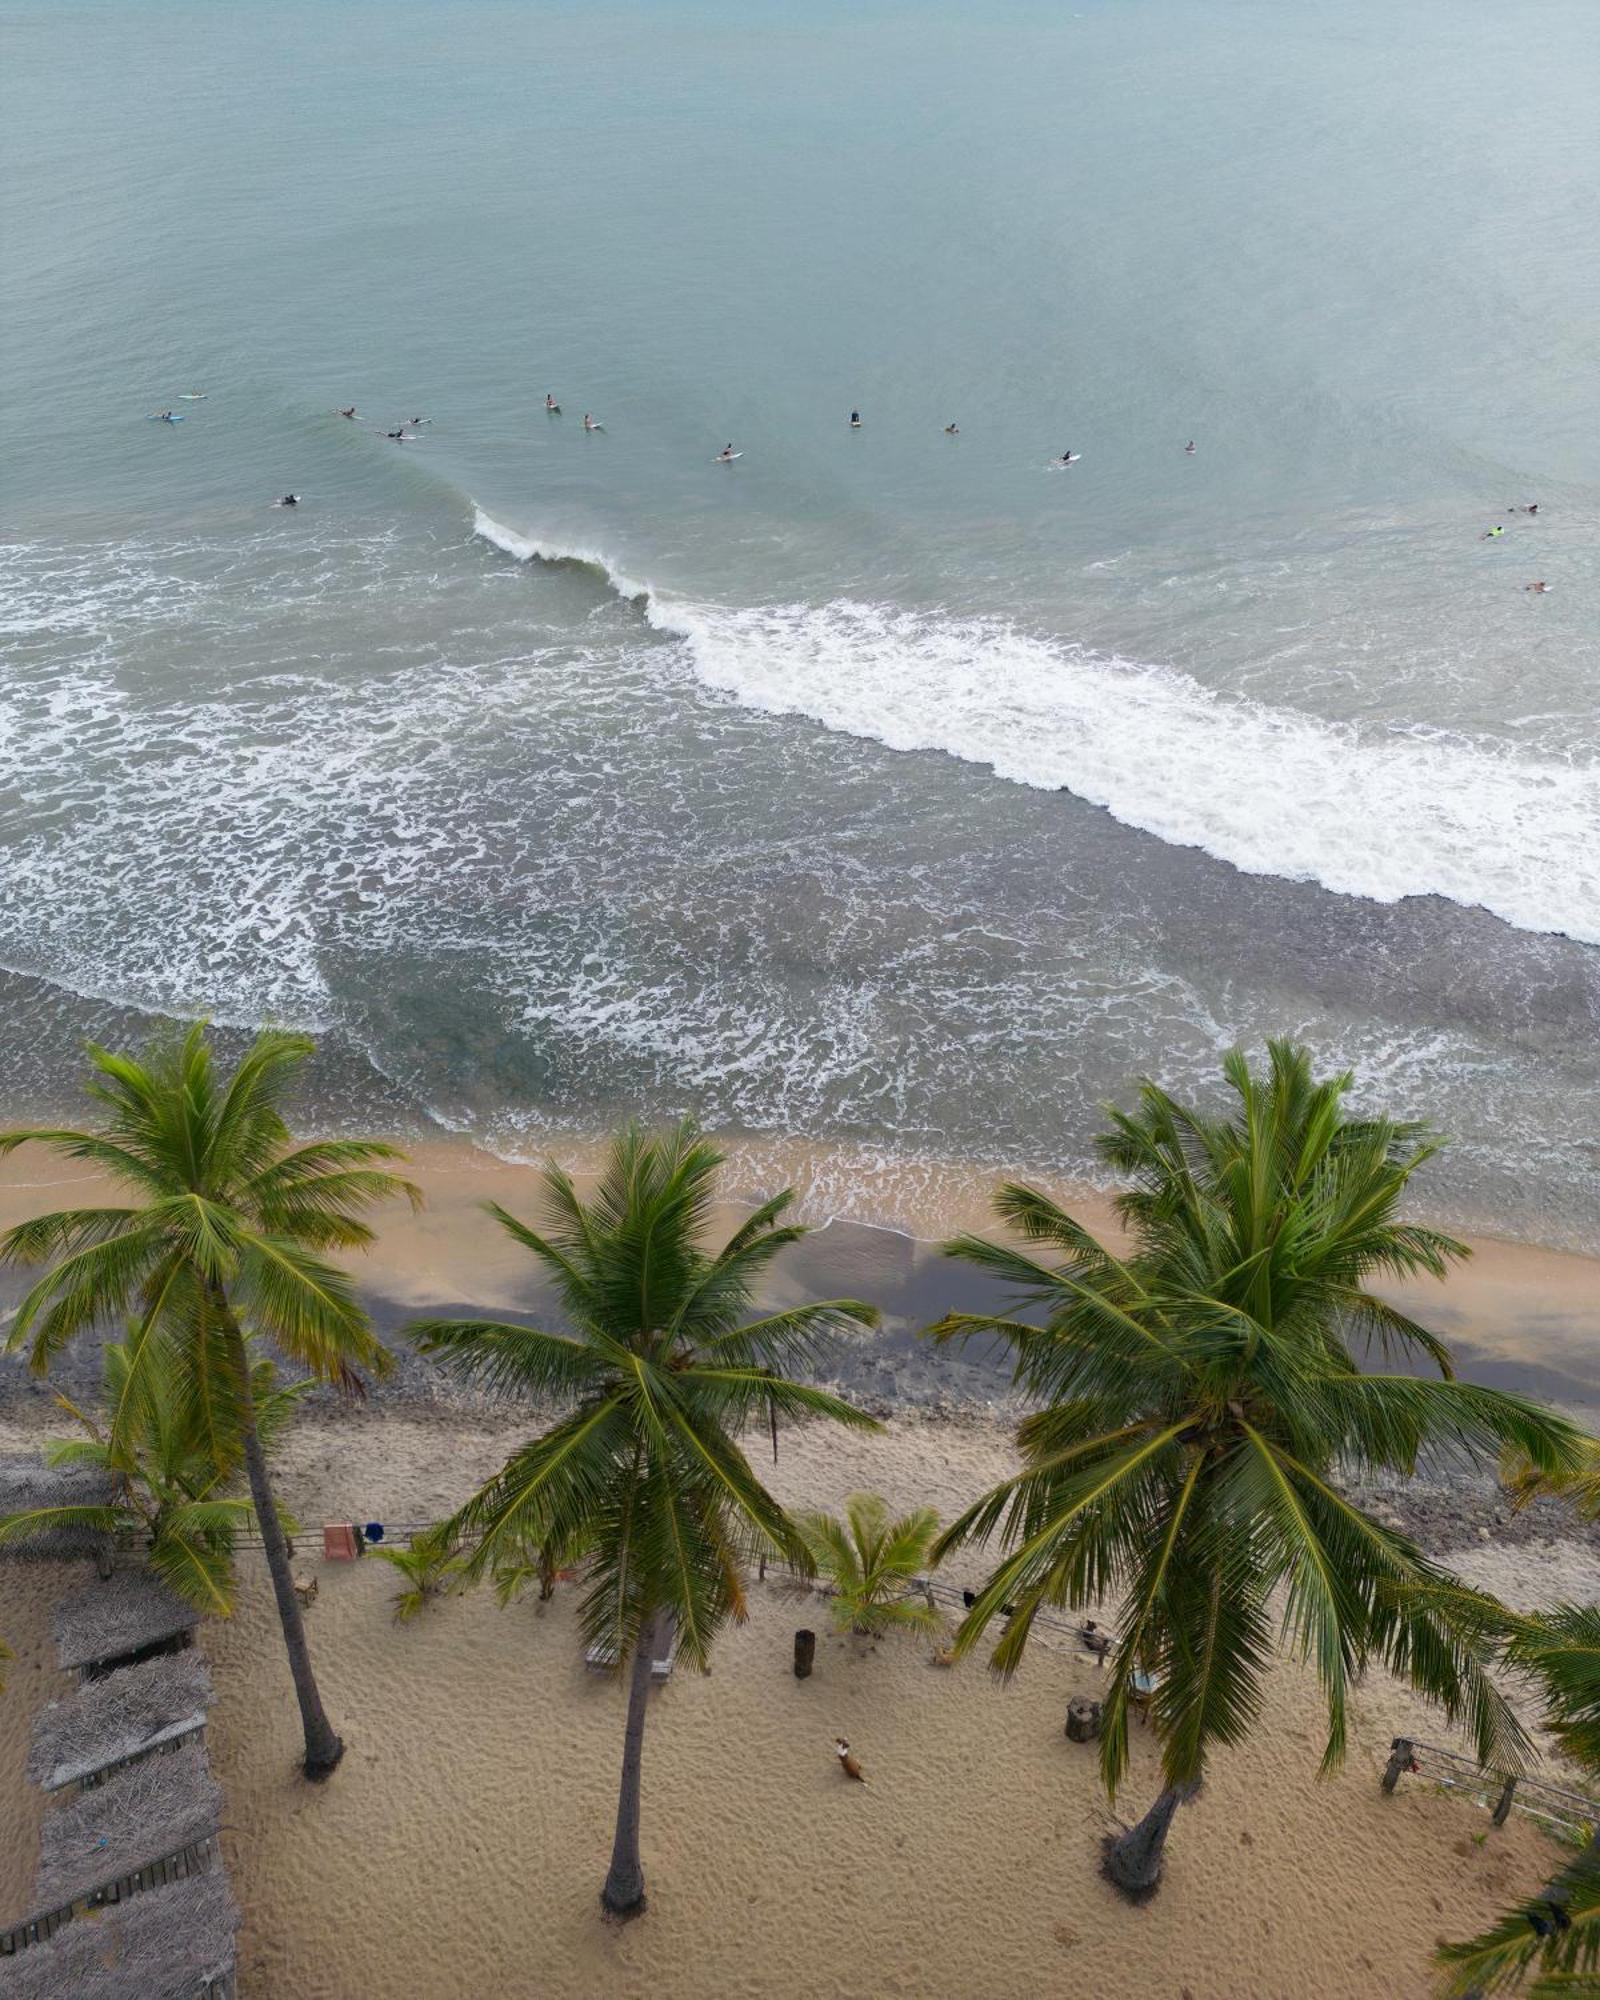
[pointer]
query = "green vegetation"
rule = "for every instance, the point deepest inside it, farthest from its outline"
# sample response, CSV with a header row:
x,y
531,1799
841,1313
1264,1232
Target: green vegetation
x,y
662,1370
871,1563
1196,1399
167,1484
221,1239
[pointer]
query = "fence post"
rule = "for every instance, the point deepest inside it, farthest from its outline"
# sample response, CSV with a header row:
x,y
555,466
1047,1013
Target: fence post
x,y
1401,1757
1502,1811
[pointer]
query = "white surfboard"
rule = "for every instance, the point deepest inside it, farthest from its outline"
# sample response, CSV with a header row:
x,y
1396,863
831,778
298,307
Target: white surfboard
x,y
726,457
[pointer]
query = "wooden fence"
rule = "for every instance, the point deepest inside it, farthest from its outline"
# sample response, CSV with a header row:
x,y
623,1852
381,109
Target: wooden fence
x,y
1573,1815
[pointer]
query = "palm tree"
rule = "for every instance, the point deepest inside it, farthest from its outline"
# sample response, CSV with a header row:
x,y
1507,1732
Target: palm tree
x,y
165,1484
1198,1398
661,1371
1557,1931
220,1240
872,1563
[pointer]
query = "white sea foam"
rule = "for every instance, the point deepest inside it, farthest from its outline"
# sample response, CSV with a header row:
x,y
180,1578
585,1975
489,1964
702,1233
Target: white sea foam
x,y
1372,811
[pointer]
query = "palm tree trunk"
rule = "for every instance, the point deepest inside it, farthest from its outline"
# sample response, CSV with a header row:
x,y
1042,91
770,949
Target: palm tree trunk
x,y
324,1747
1133,1860
623,1894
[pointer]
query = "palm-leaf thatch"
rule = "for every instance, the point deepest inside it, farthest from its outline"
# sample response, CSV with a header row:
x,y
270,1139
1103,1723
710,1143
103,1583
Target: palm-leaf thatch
x,y
175,1943
110,1621
118,1717
140,1815
54,1509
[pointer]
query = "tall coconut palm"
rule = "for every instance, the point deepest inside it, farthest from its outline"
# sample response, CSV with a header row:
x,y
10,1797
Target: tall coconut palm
x,y
1199,1396
221,1239
872,1563
661,1370
164,1484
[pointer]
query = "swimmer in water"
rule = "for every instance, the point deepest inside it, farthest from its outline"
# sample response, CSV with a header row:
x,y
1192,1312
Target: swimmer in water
x,y
350,412
1538,589
1524,510
552,405
1189,447
952,430
855,420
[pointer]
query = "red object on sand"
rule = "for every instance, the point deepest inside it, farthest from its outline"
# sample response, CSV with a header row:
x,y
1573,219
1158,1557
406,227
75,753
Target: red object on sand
x,y
338,1542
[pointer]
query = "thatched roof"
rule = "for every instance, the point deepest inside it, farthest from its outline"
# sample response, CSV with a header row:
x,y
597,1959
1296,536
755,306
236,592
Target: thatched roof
x,y
164,1945
139,1815
26,1482
107,1621
117,1717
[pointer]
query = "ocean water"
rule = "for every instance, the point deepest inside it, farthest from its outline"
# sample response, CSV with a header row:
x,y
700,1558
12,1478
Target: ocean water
x,y
883,786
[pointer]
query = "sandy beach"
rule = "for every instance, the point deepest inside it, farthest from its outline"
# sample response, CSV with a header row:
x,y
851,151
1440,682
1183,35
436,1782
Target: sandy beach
x,y
460,1848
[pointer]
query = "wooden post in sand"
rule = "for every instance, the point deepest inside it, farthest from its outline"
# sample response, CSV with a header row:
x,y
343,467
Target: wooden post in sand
x,y
805,1649
1502,1811
1401,1752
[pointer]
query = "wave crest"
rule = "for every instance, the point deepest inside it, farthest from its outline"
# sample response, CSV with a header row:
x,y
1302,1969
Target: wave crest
x,y
1378,812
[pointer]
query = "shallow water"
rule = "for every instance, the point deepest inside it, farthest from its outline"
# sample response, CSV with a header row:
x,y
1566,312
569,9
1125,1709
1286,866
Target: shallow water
x,y
882,786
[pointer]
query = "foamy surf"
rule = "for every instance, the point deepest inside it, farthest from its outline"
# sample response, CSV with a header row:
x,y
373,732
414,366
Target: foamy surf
x,y
1382,813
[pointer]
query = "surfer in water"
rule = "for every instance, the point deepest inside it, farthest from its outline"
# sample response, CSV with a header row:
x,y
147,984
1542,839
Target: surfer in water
x,y
1189,448
952,430
1538,589
855,420
1069,458
289,500
1524,510
169,417
589,423
399,436
1493,535
727,452
551,404
349,413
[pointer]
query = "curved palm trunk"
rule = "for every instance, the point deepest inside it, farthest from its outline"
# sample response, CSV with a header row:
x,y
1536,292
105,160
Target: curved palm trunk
x,y
1133,1860
324,1747
623,1894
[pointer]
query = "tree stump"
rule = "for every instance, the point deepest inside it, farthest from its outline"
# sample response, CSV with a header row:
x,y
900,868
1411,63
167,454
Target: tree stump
x,y
1083,1719
805,1650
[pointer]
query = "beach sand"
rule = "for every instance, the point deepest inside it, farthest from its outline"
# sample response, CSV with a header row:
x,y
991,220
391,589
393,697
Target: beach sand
x,y
460,1848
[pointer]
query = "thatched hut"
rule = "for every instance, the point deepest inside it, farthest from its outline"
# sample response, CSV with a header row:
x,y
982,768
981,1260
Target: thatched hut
x,y
128,1617
177,1943
119,1717
149,1823
27,1484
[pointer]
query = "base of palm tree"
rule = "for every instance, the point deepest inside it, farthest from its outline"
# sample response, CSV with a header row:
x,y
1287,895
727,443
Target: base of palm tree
x,y
1114,1868
324,1766
623,1913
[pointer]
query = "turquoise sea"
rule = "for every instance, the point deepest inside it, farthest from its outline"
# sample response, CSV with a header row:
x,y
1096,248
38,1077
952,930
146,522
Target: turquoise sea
x,y
882,786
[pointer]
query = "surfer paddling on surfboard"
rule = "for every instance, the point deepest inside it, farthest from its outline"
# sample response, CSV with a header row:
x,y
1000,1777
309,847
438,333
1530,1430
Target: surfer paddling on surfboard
x,y
1069,458
727,455
551,405
589,423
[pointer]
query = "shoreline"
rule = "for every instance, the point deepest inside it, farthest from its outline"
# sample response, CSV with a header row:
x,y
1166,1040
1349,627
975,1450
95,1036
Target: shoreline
x,y
1517,1315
